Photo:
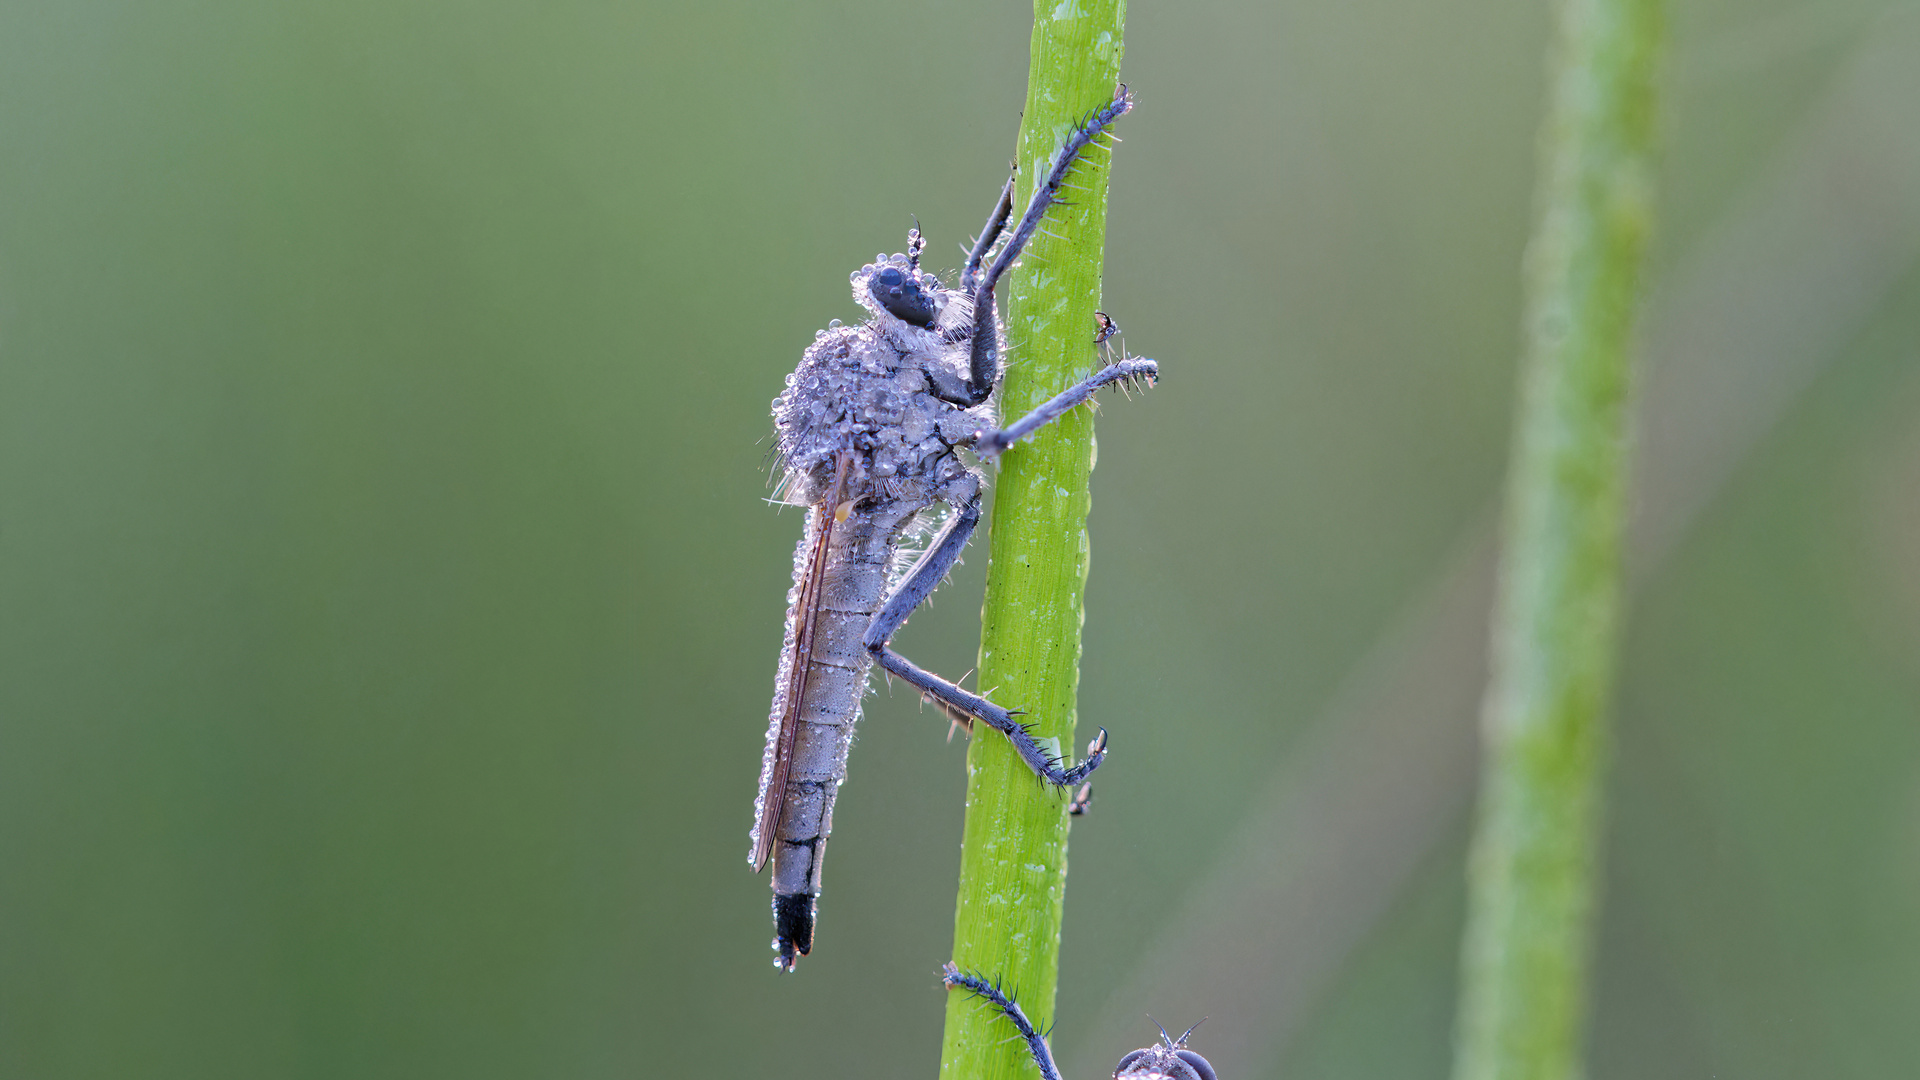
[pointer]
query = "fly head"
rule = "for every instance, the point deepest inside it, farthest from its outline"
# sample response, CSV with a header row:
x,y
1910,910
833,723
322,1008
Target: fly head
x,y
898,287
1171,1060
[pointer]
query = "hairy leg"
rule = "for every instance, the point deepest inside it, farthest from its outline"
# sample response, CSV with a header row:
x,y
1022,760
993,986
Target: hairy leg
x,y
979,987
983,369
919,583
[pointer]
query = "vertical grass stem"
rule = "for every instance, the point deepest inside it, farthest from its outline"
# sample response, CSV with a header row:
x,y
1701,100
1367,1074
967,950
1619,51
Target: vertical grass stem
x,y
1532,875
1013,862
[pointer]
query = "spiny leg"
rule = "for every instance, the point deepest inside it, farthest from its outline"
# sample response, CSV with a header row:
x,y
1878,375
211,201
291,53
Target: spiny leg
x,y
1047,192
996,224
984,357
926,575
1043,762
953,977
989,443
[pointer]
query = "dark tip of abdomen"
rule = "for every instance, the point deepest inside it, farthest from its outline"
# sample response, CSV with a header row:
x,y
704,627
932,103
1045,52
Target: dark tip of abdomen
x,y
792,927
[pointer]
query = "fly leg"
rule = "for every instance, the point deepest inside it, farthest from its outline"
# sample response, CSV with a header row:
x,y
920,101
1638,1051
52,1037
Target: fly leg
x,y
983,365
919,583
996,224
954,978
1124,372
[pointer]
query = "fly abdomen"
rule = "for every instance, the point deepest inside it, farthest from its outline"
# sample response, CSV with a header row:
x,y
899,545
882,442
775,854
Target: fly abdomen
x,y
847,589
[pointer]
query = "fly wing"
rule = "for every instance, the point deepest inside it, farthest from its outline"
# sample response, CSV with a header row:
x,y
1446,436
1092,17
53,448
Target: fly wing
x,y
795,662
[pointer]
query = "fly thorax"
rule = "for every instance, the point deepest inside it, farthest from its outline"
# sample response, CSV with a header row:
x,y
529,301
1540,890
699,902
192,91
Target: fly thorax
x,y
828,407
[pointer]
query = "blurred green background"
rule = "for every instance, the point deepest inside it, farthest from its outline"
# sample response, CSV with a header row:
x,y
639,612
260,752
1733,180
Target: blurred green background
x,y
389,607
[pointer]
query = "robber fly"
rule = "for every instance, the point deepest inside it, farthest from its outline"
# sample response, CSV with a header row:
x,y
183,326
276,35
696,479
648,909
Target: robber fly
x,y
869,430
1169,1060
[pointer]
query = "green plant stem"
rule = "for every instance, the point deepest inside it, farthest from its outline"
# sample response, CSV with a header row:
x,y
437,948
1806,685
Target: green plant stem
x,y
1532,876
1013,864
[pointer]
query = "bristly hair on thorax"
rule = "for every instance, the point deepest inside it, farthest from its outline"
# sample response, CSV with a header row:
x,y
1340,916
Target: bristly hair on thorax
x,y
867,390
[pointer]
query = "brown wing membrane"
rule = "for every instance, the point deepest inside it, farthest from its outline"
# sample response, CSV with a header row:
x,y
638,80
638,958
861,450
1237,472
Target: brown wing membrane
x,y
805,619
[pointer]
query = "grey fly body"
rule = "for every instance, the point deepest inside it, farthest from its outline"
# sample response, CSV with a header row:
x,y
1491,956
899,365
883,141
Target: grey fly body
x,y
868,432
1167,1060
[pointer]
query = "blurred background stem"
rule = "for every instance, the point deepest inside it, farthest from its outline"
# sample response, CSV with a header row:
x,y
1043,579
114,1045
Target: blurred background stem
x,y
1014,855
1532,877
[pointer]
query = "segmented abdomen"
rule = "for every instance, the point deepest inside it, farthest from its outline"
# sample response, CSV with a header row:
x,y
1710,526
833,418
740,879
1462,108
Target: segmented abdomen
x,y
853,585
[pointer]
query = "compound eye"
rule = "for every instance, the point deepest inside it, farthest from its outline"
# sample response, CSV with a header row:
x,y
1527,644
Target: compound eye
x,y
1130,1061
1199,1064
901,295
